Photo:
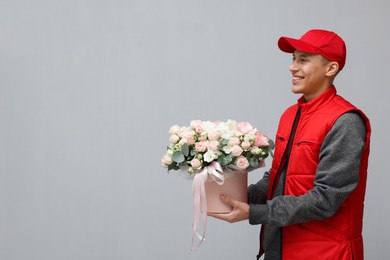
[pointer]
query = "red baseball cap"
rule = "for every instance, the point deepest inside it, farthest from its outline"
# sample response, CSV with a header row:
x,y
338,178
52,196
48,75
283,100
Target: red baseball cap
x,y
326,43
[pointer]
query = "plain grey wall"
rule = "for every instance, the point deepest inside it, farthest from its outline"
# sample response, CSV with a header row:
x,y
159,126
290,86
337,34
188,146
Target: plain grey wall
x,y
89,89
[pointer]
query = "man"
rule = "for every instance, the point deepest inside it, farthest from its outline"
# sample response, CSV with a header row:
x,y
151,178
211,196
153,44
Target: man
x,y
310,203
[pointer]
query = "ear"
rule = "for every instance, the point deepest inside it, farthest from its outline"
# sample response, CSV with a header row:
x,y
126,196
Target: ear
x,y
333,68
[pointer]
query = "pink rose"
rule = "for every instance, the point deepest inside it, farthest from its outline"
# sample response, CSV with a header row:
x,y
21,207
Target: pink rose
x,y
187,133
213,145
200,146
242,162
202,138
196,164
236,150
196,125
261,140
234,140
244,127
190,140
213,136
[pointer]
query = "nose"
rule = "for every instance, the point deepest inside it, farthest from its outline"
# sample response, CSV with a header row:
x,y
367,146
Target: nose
x,y
293,67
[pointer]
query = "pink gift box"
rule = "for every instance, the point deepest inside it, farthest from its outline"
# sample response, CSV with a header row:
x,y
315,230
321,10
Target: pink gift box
x,y
235,186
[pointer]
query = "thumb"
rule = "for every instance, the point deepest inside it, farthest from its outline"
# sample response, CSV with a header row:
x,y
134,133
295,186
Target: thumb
x,y
226,199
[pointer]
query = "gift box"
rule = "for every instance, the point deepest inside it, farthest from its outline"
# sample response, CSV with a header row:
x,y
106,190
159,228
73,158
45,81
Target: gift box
x,y
235,185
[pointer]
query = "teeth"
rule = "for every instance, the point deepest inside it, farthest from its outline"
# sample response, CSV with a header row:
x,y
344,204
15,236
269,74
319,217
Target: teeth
x,y
297,78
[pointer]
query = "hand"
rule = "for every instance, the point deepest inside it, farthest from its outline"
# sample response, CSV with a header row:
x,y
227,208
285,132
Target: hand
x,y
239,212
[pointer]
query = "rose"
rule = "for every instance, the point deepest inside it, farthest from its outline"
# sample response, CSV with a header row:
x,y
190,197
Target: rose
x,y
191,140
261,140
187,133
213,135
197,125
234,140
213,146
202,138
174,129
242,162
227,149
245,145
256,150
183,141
244,127
196,164
200,146
166,160
209,156
174,138
236,150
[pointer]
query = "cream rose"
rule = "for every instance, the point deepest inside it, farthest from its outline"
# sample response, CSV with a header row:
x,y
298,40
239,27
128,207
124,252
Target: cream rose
x,y
213,145
236,150
174,138
242,162
234,140
196,164
166,160
246,145
209,156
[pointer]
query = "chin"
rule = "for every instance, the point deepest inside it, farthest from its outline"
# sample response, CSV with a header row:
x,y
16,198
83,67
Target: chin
x,y
296,90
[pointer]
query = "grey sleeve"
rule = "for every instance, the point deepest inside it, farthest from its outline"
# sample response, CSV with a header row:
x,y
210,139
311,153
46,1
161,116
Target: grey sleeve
x,y
257,198
337,175
257,193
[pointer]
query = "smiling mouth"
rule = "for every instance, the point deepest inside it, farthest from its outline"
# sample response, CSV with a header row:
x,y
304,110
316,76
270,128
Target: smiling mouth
x,y
297,78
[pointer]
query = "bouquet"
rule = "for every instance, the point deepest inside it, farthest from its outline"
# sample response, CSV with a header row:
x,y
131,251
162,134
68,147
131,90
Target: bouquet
x,y
231,144
212,149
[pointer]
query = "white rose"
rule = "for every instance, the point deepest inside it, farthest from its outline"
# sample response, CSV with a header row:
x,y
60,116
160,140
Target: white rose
x,y
209,156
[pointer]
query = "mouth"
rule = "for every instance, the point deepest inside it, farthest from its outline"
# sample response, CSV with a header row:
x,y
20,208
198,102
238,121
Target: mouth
x,y
297,79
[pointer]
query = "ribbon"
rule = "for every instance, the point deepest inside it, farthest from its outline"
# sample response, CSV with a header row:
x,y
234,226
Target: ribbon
x,y
200,202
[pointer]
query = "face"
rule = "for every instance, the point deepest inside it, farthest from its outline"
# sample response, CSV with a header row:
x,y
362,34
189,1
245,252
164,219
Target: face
x,y
310,74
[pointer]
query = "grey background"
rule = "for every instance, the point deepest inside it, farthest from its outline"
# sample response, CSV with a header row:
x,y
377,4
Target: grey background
x,y
89,89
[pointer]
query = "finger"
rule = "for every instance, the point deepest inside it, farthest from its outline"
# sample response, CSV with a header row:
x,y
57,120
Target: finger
x,y
222,216
228,200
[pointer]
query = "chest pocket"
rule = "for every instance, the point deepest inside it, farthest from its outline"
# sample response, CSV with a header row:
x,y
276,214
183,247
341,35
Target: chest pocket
x,y
280,146
305,156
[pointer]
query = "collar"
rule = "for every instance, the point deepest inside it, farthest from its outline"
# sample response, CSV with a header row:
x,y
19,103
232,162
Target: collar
x,y
318,102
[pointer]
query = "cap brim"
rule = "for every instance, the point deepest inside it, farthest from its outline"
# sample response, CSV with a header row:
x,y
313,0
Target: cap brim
x,y
289,45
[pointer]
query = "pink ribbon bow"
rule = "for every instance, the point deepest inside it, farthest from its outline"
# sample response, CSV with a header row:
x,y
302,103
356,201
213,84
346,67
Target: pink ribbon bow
x,y
200,202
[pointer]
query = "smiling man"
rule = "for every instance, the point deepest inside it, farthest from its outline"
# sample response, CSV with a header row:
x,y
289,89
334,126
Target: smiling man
x,y
310,203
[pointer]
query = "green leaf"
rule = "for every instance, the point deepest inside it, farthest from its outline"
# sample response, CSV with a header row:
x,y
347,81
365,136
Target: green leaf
x,y
185,149
173,166
223,142
225,159
271,144
253,162
178,157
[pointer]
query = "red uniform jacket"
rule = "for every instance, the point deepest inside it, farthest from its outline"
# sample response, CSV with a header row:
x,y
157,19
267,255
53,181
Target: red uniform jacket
x,y
340,236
